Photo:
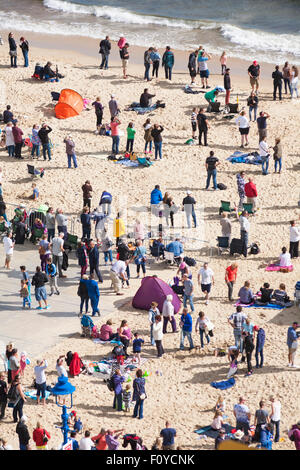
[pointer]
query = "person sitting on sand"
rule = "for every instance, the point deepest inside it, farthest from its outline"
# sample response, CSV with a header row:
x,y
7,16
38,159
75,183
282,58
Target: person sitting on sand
x,y
221,404
49,73
106,331
217,421
284,258
245,294
266,294
280,297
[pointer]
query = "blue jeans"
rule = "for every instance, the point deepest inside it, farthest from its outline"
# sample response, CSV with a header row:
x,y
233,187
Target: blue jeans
x,y
190,299
11,150
138,408
70,158
104,63
108,255
47,149
259,352
25,55
187,334
129,145
86,231
265,166
252,108
147,69
41,390
118,401
115,144
23,447
278,163
138,267
213,174
277,432
35,150
238,339
287,84
150,145
202,333
151,335
158,147
83,302
168,72
188,218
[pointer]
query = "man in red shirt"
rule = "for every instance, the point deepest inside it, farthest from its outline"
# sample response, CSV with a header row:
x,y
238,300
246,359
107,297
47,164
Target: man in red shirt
x,y
230,278
251,193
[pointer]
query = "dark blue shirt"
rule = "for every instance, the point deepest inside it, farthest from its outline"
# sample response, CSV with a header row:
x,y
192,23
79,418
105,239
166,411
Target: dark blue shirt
x,y
137,345
168,435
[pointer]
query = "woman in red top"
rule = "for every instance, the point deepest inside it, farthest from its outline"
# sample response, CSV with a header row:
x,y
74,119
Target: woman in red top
x,y
40,437
251,193
230,278
76,365
100,440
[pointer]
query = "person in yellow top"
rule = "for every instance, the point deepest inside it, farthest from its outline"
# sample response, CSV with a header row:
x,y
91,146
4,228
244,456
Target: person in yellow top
x,y
119,227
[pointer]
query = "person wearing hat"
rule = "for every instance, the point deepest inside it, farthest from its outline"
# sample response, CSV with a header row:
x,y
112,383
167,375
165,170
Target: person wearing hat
x,y
23,433
254,72
25,48
292,343
188,206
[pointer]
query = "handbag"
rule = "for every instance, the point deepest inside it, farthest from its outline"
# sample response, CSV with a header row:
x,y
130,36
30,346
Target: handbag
x,y
143,396
45,438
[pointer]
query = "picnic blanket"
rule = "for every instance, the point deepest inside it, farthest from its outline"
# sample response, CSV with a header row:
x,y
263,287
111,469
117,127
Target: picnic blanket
x,y
128,163
276,267
210,432
254,305
113,341
32,394
240,157
223,384
138,109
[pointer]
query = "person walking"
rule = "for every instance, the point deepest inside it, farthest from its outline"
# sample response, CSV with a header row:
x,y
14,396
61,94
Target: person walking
x,y
140,258
203,126
211,164
294,239
186,325
52,273
275,416
188,289
203,324
252,102
277,82
206,280
94,260
292,343
70,151
12,50
105,47
39,279
99,114
139,394
168,62
230,278
236,320
168,314
57,244
44,138
40,380
157,138
244,128
25,49
227,85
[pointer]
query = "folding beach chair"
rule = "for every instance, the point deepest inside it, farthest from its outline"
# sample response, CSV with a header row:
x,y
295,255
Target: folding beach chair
x,y
223,244
225,207
248,207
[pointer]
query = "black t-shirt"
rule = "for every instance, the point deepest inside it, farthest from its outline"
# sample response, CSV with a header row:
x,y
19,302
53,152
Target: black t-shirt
x,y
201,118
262,122
254,70
3,390
211,162
265,295
189,200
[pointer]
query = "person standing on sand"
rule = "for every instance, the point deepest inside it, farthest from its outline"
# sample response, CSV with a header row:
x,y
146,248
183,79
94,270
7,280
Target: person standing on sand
x,y
254,73
12,50
225,225
264,153
18,133
157,138
203,57
294,81
99,113
211,164
244,128
121,43
105,47
275,415
25,48
245,228
262,125
277,155
286,74
168,314
87,194
223,61
294,239
230,278
251,193
192,66
206,280
227,85
125,59
40,379
113,106
203,126
252,102
70,150
292,343
277,82
44,138
9,249
168,62
240,178
114,127
155,57
147,63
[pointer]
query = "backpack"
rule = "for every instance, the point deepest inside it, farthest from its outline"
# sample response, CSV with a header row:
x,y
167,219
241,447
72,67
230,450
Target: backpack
x,y
190,261
254,250
221,186
233,108
12,393
110,385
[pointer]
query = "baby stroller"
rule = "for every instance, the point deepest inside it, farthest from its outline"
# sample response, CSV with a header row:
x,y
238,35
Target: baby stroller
x,y
87,326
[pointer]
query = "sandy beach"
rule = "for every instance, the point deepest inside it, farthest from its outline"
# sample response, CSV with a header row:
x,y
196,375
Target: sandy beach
x,y
178,386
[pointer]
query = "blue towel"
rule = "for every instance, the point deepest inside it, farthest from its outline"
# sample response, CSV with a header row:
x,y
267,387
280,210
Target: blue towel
x,y
240,157
273,306
210,432
223,384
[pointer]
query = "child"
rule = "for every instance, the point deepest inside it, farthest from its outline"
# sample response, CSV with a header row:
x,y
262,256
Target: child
x,y
221,404
23,362
217,421
35,141
137,348
127,397
24,293
233,364
35,193
130,137
194,122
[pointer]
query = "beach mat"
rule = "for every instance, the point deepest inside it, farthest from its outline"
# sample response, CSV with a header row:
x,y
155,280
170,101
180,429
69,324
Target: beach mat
x,y
32,394
275,267
270,306
210,432
223,384
113,341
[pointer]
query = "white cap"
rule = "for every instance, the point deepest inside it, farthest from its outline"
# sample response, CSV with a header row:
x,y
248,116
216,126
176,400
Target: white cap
x,y
189,192
112,96
24,419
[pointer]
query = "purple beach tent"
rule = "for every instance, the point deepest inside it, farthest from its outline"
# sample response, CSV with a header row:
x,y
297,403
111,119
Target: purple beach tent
x,y
153,289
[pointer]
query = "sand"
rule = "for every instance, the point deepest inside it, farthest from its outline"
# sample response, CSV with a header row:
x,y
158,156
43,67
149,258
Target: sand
x,y
180,391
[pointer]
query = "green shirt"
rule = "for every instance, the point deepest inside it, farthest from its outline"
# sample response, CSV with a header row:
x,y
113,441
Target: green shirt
x,y
210,96
130,133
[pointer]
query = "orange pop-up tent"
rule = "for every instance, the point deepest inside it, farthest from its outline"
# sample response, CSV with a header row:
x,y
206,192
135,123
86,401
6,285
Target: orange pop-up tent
x,y
70,104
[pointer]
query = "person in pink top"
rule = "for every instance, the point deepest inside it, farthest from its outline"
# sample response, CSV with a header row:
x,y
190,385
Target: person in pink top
x,y
106,331
139,230
121,43
124,335
114,127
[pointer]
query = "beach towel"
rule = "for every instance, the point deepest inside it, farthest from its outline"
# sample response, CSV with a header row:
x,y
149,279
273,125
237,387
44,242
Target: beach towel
x,y
241,157
144,162
138,109
189,90
210,432
275,267
270,306
113,341
223,384
32,394
128,163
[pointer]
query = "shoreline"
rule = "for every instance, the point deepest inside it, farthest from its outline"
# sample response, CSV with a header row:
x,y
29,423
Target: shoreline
x,y
87,48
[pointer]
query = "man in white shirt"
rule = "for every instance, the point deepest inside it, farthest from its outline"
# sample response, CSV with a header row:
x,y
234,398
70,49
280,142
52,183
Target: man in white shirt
x,y
245,228
9,249
294,239
40,380
86,442
57,245
264,153
206,279
118,272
